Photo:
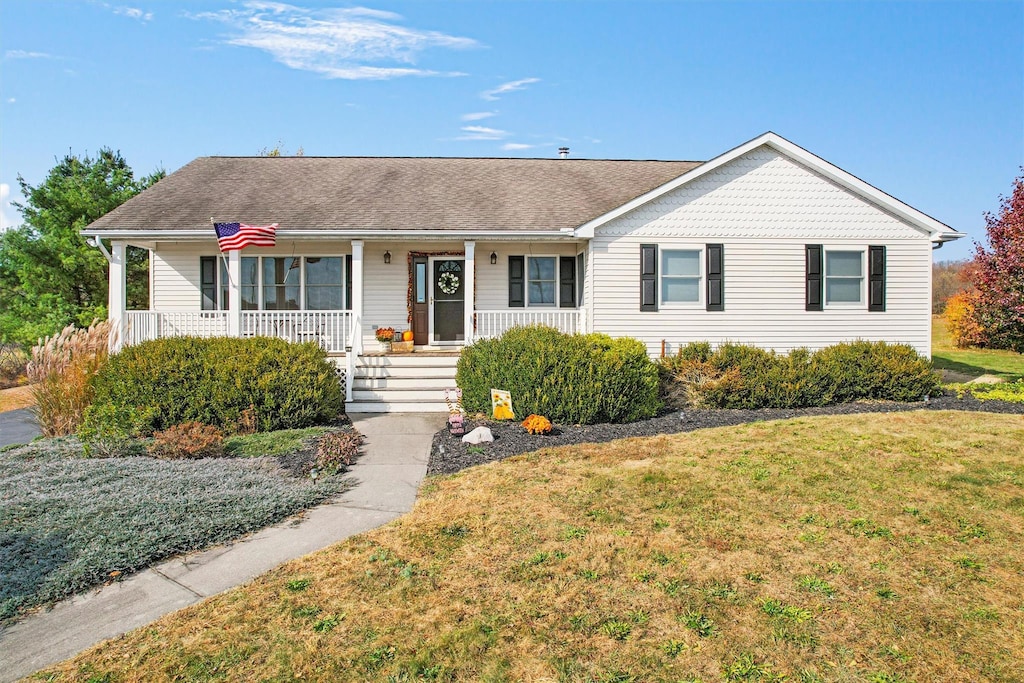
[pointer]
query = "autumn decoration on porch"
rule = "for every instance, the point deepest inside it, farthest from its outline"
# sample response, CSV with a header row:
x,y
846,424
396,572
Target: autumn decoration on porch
x,y
537,424
385,334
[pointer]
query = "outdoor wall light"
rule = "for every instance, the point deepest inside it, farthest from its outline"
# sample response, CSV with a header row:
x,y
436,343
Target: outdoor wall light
x,y
494,258
387,257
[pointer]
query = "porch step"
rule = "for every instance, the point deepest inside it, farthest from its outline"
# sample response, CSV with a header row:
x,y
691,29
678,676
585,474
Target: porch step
x,y
413,382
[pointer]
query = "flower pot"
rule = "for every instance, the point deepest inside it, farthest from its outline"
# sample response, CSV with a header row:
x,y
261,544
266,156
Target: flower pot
x,y
385,346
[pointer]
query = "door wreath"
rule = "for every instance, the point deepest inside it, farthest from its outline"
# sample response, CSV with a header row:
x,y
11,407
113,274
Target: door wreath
x,y
448,283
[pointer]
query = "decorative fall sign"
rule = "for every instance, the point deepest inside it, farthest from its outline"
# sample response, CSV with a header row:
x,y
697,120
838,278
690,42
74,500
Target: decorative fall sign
x,y
501,405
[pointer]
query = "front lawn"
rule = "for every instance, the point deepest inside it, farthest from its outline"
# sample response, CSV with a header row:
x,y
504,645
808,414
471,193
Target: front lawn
x,y
1008,365
68,523
847,548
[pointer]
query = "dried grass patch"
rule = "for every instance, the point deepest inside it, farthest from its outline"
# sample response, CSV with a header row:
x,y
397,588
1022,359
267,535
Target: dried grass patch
x,y
16,397
856,548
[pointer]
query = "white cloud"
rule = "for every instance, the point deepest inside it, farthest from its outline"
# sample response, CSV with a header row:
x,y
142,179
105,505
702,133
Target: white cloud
x,y
511,86
513,146
482,133
25,54
133,13
479,115
11,100
355,43
8,217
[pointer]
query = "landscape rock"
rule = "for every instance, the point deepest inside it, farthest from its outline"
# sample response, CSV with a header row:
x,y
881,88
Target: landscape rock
x,y
479,435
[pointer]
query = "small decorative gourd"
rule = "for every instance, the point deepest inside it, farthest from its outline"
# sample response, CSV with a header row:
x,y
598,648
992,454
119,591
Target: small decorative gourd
x,y
407,335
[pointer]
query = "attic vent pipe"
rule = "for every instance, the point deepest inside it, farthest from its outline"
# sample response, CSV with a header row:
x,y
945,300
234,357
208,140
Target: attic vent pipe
x,y
563,152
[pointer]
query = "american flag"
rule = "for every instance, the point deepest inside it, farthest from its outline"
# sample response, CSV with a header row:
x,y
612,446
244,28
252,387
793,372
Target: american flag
x,y
238,235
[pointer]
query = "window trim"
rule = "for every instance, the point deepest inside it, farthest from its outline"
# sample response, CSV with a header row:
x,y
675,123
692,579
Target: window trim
x,y
862,303
223,286
701,277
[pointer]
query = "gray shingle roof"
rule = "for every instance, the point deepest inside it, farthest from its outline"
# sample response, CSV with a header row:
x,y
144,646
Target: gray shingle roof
x,y
380,193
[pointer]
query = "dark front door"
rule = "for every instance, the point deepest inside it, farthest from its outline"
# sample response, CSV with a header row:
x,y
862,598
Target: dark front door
x,y
448,301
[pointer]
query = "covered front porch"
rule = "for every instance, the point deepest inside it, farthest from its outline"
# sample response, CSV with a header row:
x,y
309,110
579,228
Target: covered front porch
x,y
338,293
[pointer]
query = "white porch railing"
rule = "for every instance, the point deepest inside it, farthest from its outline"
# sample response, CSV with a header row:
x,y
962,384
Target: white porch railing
x,y
143,326
495,323
331,329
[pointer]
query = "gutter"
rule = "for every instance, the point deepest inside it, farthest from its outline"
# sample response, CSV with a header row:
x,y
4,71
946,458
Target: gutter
x,y
389,235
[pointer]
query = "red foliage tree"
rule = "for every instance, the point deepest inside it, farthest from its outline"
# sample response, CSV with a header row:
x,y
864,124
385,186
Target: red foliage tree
x,y
999,273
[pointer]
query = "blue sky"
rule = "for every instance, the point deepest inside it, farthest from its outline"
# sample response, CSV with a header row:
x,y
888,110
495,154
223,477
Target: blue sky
x,y
924,100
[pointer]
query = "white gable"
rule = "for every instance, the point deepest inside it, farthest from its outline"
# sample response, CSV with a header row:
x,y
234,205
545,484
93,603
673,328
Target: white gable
x,y
762,194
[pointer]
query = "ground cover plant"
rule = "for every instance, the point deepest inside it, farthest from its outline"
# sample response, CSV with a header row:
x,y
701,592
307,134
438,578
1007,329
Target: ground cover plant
x,y
847,548
742,376
572,378
972,362
69,522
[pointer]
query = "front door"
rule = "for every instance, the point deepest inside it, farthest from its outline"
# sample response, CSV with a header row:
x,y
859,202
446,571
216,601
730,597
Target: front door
x,y
447,300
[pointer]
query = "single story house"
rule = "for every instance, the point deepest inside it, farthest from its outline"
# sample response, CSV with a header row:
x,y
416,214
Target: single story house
x,y
766,244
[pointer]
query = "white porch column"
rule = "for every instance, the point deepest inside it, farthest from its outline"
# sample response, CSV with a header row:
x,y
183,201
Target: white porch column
x,y
469,287
357,297
235,293
117,294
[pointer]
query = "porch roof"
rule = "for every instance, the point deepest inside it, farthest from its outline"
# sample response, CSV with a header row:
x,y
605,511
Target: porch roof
x,y
380,194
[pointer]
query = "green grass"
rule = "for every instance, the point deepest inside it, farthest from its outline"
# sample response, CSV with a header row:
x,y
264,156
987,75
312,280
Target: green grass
x,y
883,547
1008,365
273,444
68,523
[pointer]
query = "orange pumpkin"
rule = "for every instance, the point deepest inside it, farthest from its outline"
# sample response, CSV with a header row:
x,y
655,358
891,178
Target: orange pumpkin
x,y
407,335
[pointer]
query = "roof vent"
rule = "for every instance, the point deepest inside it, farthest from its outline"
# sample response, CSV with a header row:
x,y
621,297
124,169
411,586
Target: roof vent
x,y
563,152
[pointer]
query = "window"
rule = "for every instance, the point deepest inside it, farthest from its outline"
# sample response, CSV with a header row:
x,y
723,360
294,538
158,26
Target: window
x,y
541,281
844,277
213,283
680,276
271,283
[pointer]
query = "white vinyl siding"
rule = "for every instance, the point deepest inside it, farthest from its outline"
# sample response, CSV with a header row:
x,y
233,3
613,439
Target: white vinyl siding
x,y
764,209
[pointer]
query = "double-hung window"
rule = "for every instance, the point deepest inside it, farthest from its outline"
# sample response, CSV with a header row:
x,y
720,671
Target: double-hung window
x,y
680,276
542,279
844,277
213,283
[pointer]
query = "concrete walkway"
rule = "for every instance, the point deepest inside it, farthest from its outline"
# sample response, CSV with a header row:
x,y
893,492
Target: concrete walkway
x,y
17,426
387,477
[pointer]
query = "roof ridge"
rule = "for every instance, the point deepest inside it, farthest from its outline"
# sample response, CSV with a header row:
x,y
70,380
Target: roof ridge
x,y
441,158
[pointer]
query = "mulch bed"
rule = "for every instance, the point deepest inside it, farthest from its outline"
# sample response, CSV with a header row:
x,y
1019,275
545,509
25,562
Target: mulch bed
x,y
449,454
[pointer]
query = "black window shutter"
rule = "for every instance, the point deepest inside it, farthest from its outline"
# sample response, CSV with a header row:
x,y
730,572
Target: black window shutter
x,y
648,277
516,281
208,282
348,281
715,302
814,277
567,282
876,278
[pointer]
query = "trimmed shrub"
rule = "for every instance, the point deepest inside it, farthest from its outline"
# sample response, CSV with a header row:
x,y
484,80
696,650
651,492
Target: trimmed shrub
x,y
113,431
62,370
215,381
187,441
577,379
740,376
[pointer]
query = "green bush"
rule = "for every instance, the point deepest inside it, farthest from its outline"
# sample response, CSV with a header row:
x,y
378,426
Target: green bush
x,y
739,376
214,381
577,379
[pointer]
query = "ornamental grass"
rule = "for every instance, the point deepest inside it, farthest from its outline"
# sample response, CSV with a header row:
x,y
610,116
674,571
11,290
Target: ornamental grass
x,y
61,369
